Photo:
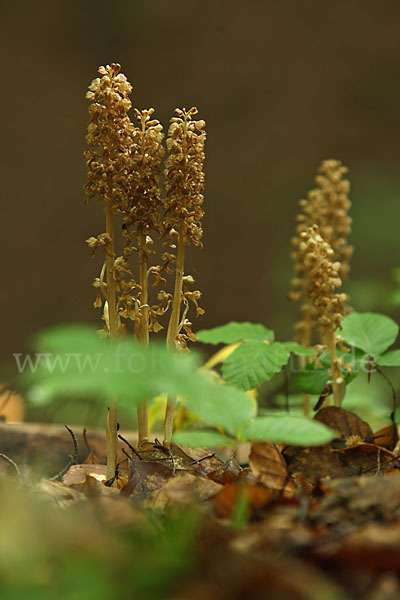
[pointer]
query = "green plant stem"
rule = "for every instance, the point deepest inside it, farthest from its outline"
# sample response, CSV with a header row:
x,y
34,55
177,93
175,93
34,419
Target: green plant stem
x,y
305,340
339,389
112,417
173,327
143,333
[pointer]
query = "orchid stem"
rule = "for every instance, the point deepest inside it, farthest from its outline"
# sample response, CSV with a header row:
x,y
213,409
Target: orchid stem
x,y
173,328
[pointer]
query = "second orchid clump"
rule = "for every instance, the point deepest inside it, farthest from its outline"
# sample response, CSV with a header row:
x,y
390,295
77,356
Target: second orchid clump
x,y
125,162
321,261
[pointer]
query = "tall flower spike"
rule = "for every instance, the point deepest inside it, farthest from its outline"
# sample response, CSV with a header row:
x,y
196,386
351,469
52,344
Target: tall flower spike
x,y
330,205
142,215
184,185
143,201
322,280
108,158
184,175
326,206
108,163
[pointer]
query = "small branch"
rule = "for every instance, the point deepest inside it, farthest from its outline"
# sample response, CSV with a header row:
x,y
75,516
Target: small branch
x,y
110,482
14,464
72,457
85,440
394,395
199,460
130,447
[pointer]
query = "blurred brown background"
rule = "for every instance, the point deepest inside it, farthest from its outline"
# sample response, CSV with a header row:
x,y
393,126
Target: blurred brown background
x,y
282,85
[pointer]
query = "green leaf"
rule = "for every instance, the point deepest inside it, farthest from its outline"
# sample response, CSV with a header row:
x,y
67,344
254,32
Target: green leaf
x,y
298,349
201,438
297,431
222,406
390,359
371,332
252,363
311,380
235,332
75,361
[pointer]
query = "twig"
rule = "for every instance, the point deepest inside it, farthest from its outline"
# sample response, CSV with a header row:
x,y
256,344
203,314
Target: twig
x,y
121,437
127,455
394,395
86,440
109,482
394,398
199,460
14,464
159,446
72,457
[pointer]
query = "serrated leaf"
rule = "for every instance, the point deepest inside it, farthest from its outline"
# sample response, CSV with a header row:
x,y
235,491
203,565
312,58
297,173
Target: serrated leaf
x,y
79,363
298,349
252,363
222,406
371,332
201,438
235,332
389,359
297,431
311,380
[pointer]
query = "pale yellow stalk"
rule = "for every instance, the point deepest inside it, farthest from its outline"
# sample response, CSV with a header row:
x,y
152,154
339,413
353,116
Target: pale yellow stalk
x,y
112,416
142,333
338,385
173,327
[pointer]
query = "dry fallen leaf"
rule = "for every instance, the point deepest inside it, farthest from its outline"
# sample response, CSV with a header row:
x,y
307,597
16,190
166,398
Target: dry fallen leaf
x,y
90,479
346,423
77,474
146,476
255,497
269,467
387,437
184,488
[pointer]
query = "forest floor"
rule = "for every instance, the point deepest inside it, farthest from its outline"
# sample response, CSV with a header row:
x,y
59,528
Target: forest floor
x,y
318,523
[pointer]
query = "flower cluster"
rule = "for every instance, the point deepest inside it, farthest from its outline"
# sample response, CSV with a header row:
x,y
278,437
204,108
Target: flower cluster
x,y
141,208
124,163
327,207
322,279
184,175
109,138
142,214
